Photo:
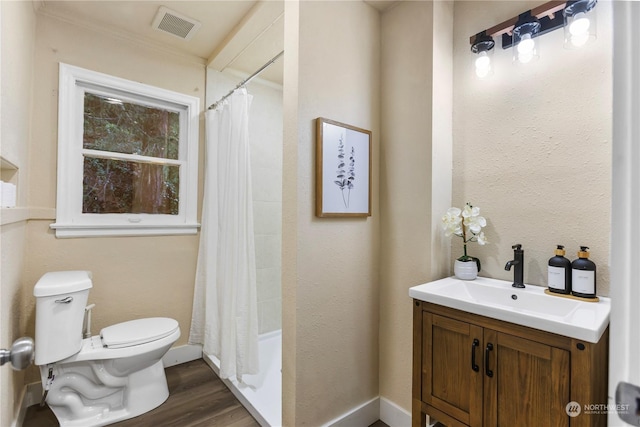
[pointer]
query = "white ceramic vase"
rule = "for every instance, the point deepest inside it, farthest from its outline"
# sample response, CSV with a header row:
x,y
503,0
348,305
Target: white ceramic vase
x,y
465,270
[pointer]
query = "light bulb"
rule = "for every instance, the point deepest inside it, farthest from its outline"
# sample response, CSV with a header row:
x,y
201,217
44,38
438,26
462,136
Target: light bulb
x,y
525,57
483,65
580,24
579,40
483,60
526,45
482,72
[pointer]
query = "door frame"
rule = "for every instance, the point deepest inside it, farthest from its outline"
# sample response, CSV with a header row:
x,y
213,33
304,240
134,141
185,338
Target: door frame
x,y
625,206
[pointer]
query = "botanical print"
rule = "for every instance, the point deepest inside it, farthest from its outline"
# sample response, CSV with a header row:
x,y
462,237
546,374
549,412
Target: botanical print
x,y
345,180
345,177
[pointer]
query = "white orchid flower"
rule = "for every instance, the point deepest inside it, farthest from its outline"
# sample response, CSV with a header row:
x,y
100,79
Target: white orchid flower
x,y
472,219
481,239
451,222
466,223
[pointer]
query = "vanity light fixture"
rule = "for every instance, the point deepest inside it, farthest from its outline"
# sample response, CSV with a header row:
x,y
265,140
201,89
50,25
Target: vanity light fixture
x,y
483,47
524,45
579,23
520,32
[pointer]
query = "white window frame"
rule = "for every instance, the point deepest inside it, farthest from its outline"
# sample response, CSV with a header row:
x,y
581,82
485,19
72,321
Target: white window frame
x,y
70,221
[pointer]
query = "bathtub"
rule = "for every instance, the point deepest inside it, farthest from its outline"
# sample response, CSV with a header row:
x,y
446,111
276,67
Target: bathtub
x,y
262,393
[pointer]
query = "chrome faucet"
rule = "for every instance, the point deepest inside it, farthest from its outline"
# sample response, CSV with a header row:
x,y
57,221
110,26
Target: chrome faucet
x,y
518,263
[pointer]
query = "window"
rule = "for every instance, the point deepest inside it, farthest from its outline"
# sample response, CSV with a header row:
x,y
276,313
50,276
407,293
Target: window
x,y
127,157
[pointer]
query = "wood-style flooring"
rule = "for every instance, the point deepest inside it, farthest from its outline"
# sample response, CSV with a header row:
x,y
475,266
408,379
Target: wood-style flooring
x,y
197,398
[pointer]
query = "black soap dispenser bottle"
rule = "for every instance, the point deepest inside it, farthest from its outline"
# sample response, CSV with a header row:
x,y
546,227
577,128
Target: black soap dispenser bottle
x,y
559,272
583,278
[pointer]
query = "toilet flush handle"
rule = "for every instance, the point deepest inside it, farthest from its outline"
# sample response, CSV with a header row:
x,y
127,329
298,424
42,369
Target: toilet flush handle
x,y
87,321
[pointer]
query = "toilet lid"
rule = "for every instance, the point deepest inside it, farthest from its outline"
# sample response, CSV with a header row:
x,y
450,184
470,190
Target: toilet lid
x,y
135,332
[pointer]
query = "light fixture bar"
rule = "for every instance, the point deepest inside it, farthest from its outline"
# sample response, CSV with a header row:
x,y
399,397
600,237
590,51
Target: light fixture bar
x,y
546,13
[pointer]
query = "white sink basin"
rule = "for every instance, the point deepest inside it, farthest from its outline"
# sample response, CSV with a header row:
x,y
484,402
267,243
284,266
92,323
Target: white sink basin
x,y
527,307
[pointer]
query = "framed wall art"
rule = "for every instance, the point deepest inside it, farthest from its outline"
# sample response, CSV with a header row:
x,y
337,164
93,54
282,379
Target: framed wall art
x,y
343,170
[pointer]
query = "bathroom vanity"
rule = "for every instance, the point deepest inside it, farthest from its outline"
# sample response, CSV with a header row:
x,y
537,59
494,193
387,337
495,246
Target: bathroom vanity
x,y
486,354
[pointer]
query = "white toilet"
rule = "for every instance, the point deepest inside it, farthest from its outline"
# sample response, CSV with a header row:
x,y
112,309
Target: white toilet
x,y
103,379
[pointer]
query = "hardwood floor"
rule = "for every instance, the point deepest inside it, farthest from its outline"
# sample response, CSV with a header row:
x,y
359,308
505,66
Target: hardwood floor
x,y
197,398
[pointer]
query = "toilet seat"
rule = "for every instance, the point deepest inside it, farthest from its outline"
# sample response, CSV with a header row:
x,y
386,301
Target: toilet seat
x,y
136,332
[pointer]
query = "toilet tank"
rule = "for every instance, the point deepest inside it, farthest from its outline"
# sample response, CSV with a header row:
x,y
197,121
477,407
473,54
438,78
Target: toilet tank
x,y
61,298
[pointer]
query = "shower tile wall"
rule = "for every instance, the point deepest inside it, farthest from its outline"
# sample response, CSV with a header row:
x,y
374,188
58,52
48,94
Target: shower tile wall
x,y
265,131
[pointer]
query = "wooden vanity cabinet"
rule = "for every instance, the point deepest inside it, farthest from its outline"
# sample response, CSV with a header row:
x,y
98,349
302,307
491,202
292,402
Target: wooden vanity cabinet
x,y
470,370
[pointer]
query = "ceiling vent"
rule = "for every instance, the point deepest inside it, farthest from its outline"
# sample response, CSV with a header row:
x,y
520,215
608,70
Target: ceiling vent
x,y
174,23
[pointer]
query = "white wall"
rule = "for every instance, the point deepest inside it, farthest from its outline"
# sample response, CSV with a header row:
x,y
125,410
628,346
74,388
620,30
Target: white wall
x,y
265,140
330,276
532,145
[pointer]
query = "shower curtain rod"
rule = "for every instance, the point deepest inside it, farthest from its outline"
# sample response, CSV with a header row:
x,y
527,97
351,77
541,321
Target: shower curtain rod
x,y
245,81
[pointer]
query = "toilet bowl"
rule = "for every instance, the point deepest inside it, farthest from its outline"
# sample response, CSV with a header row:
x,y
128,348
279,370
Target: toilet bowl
x,y
101,379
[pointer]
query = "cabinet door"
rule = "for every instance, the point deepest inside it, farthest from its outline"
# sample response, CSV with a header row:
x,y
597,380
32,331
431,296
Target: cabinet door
x,y
529,385
450,384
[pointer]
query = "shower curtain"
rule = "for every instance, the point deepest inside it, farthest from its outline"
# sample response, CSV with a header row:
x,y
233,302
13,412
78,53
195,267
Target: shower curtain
x,y
225,318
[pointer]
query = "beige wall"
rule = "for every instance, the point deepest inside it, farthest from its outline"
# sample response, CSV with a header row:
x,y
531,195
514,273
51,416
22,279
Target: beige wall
x,y
532,145
133,277
330,282
290,105
18,36
415,173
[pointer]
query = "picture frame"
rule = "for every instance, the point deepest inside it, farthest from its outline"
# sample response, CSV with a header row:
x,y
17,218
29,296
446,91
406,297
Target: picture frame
x,y
343,170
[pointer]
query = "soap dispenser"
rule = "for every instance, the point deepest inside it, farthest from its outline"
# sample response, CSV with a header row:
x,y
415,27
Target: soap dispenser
x,y
559,272
583,278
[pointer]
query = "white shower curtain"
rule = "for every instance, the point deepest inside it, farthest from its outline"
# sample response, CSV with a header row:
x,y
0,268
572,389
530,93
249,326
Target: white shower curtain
x,y
225,318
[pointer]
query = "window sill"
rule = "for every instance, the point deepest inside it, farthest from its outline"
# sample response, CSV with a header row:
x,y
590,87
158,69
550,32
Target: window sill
x,y
13,215
72,230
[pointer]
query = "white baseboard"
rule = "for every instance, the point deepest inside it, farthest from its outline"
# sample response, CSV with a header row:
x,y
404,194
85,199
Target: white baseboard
x,y
393,415
31,395
182,354
363,415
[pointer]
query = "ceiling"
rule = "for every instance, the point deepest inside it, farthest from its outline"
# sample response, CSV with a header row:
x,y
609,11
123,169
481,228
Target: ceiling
x,y
382,5
235,34
241,35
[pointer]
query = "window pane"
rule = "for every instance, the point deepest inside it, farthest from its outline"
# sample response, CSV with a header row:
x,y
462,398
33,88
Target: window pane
x,y
114,125
118,186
